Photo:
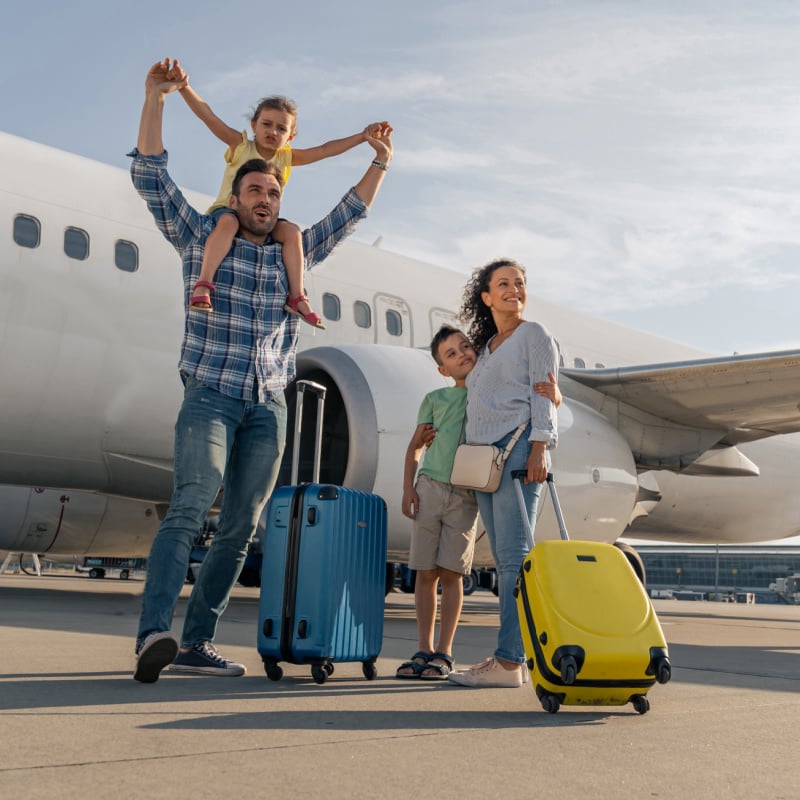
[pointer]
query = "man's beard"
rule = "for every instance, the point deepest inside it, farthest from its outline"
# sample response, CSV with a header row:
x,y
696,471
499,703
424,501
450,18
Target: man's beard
x,y
250,223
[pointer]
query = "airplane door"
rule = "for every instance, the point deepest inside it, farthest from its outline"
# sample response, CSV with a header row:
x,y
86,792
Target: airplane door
x,y
442,316
392,321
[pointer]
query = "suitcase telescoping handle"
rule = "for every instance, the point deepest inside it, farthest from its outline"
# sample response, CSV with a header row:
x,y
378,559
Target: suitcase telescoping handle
x,y
517,475
319,390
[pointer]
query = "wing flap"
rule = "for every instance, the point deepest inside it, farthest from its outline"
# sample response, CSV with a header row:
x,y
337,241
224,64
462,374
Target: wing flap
x,y
747,397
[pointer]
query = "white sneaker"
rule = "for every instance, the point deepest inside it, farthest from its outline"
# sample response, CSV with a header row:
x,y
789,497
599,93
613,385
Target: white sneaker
x,y
489,674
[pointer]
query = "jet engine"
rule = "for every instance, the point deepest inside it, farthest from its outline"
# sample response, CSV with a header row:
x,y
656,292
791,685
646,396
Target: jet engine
x,y
74,523
373,395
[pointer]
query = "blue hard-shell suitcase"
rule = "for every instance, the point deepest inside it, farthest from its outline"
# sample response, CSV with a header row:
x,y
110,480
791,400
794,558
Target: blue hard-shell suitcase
x,y
324,570
323,579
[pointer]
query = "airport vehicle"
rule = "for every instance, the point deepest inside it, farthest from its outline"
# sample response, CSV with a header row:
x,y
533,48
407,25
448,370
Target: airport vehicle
x,y
100,566
657,440
788,589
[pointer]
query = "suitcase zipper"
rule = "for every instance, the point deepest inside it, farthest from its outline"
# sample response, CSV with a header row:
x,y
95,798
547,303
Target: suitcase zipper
x,y
290,574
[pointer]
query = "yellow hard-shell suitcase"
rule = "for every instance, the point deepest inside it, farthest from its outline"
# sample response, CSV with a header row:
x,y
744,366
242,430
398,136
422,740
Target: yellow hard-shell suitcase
x,y
590,632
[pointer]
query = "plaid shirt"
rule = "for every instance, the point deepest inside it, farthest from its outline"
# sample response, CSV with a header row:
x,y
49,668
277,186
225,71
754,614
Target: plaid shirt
x,y
249,342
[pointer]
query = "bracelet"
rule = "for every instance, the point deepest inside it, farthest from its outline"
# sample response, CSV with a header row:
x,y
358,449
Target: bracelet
x,y
380,165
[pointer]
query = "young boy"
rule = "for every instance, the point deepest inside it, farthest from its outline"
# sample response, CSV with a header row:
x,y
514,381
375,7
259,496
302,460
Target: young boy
x,y
443,535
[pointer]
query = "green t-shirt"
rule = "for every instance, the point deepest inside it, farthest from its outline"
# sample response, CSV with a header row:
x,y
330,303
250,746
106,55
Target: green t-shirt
x,y
444,409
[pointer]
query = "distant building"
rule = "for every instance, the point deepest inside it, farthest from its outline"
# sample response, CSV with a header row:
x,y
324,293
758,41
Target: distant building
x,y
719,569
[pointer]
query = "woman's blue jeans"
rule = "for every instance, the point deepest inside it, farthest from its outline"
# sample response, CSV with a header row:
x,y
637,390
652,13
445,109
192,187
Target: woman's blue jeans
x,y
219,441
502,518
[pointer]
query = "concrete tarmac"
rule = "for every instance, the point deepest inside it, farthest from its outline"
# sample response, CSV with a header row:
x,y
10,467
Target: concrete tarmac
x,y
74,724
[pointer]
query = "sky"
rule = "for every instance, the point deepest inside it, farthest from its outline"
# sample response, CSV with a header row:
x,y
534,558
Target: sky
x,y
639,157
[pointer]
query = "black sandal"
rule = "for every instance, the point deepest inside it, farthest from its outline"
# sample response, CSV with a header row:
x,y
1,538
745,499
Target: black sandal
x,y
413,663
442,670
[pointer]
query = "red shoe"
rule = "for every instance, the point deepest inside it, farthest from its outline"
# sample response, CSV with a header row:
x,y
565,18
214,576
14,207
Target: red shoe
x,y
312,318
202,302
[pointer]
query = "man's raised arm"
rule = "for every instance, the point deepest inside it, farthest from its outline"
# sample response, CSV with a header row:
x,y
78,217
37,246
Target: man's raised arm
x,y
162,78
368,186
175,218
320,239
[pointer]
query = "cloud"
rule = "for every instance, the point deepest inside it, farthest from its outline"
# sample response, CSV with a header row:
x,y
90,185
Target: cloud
x,y
632,154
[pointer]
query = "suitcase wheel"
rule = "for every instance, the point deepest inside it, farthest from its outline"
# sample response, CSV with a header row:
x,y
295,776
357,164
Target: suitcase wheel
x,y
319,673
550,703
640,703
569,670
370,670
274,672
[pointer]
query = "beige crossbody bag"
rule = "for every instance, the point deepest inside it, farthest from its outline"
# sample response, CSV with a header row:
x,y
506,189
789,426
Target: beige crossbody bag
x,y
480,466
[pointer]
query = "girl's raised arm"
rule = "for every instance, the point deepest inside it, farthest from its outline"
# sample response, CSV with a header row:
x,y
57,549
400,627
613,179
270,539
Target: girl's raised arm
x,y
202,109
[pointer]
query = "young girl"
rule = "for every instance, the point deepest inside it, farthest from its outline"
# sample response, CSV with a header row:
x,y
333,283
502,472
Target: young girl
x,y
273,126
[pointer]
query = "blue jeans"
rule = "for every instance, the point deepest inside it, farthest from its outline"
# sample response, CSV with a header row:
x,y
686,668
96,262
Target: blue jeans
x,y
219,441
501,515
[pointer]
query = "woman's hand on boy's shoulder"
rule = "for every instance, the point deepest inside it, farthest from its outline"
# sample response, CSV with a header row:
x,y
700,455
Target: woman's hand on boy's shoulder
x,y
427,435
549,389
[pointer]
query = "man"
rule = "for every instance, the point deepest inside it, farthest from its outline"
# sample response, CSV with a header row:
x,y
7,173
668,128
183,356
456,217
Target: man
x,y
234,364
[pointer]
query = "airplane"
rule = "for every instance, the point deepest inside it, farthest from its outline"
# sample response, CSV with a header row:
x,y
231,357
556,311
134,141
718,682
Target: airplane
x,y
657,440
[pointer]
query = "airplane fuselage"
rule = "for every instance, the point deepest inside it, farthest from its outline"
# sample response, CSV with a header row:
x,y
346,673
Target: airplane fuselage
x,y
88,358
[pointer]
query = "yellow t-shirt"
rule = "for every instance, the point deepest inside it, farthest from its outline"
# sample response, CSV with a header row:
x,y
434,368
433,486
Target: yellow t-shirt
x,y
242,153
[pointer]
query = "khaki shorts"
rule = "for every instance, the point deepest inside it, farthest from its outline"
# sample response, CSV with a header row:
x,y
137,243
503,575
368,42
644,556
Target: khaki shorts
x,y
444,530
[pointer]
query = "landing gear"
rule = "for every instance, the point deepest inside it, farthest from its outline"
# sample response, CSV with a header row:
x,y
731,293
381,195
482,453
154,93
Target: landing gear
x,y
634,559
470,582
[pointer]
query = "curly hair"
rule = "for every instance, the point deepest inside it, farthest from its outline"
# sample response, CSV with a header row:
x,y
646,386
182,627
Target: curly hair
x,y
474,312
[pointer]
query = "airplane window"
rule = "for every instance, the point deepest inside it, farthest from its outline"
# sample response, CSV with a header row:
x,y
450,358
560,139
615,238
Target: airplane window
x,y
598,365
362,314
76,243
126,256
580,363
27,231
394,323
331,307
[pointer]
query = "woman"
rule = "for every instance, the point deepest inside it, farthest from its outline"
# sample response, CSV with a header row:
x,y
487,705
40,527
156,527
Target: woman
x,y
501,395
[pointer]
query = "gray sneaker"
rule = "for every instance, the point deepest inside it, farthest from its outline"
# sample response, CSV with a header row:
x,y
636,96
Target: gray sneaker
x,y
203,659
153,653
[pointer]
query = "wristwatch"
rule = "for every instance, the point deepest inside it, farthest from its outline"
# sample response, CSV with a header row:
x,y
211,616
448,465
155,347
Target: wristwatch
x,y
380,165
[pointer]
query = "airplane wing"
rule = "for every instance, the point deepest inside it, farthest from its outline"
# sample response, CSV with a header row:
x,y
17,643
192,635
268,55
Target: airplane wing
x,y
747,397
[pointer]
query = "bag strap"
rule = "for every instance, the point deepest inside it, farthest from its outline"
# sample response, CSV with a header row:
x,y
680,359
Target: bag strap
x,y
463,435
514,439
